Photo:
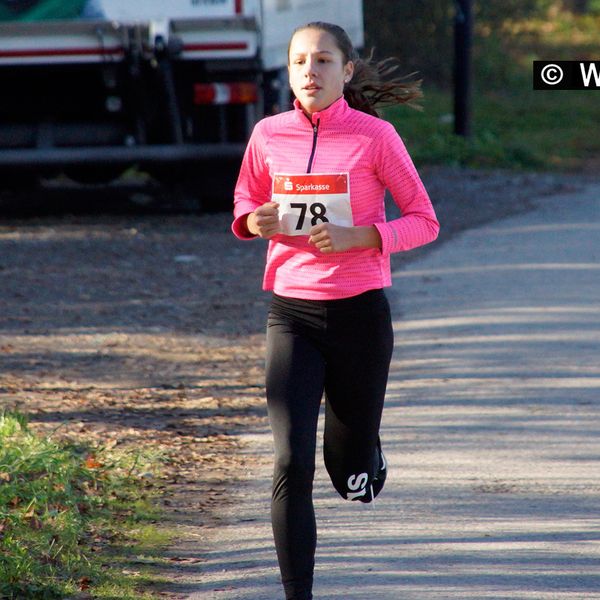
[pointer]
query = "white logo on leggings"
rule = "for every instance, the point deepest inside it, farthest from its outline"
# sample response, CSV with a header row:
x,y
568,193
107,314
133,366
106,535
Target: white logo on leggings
x,y
358,485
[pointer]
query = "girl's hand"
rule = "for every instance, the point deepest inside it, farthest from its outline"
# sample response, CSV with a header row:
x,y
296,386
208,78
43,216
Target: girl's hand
x,y
264,221
335,238
331,238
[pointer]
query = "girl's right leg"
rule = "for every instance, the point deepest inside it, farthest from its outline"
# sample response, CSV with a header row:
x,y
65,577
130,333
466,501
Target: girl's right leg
x,y
295,374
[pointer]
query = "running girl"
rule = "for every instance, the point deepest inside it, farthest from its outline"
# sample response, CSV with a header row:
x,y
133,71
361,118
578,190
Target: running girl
x,y
312,182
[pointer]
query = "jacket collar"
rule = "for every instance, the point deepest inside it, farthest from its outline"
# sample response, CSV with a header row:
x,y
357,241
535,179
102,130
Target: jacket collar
x,y
333,113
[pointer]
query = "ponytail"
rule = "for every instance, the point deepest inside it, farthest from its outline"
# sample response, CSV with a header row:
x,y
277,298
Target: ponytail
x,y
376,85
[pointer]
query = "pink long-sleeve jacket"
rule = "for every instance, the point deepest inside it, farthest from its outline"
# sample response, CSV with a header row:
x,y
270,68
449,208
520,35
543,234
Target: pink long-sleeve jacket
x,y
338,139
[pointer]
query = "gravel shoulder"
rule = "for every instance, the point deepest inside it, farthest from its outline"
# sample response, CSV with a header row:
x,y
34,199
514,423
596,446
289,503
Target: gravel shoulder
x,y
147,329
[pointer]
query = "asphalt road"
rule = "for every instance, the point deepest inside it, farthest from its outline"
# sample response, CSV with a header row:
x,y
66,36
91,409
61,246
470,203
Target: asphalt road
x,y
491,430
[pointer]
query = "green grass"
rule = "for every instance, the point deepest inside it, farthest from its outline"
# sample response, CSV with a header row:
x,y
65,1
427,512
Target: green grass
x,y
525,129
513,126
72,517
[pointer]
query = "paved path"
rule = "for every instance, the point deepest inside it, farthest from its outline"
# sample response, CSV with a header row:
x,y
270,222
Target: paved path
x,y
491,429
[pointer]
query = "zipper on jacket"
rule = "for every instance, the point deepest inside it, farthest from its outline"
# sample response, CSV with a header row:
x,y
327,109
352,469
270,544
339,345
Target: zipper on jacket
x,y
314,145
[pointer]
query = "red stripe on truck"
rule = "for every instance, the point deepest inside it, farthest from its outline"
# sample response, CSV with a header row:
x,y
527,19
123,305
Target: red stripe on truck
x,y
33,52
64,52
239,7
207,47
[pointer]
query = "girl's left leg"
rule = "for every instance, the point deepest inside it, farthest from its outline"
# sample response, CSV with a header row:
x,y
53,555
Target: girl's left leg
x,y
359,354
295,370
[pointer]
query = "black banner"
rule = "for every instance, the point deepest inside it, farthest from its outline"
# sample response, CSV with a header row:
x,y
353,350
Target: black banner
x,y
566,74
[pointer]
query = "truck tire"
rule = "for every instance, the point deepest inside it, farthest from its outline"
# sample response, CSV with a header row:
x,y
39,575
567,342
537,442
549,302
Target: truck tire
x,y
96,174
206,186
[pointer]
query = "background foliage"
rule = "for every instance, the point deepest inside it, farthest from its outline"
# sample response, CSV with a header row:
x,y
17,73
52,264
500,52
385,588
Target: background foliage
x,y
513,125
420,32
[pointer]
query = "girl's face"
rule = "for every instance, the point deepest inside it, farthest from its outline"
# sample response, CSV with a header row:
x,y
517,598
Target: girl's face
x,y
317,70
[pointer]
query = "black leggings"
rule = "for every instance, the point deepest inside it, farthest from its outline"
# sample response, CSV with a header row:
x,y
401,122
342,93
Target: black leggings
x,y
343,348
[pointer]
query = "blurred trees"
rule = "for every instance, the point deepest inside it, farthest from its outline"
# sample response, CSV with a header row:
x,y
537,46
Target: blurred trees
x,y
580,7
420,32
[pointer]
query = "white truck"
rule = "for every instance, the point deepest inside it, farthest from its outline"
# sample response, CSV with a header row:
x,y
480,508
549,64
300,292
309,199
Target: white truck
x,y
92,87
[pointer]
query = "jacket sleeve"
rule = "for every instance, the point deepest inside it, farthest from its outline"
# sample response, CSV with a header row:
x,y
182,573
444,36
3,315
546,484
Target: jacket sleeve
x,y
418,224
253,187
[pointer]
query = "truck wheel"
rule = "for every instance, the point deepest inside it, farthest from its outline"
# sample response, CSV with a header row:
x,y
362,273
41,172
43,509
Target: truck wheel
x,y
19,180
215,184
203,187
95,174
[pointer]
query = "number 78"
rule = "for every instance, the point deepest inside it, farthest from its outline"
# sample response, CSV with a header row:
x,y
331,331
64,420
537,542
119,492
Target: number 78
x,y
317,210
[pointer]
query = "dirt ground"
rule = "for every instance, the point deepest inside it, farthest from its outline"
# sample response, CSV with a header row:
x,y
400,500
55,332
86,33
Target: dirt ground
x,y
140,328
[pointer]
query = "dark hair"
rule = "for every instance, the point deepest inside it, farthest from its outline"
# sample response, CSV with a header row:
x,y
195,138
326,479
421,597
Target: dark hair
x,y
374,84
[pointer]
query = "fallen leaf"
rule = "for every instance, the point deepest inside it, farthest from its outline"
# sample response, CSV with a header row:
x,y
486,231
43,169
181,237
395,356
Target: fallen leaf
x,y
35,523
92,463
84,583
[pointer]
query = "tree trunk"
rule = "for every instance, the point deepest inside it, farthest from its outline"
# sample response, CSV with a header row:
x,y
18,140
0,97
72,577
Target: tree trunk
x,y
580,7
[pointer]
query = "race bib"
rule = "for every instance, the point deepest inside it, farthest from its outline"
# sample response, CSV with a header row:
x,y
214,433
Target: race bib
x,y
312,198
